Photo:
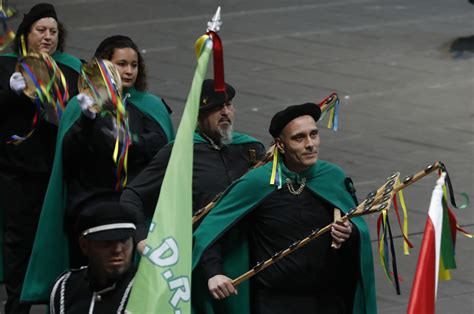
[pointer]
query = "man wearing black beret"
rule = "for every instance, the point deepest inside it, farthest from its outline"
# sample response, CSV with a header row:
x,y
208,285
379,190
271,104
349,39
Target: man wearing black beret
x,y
107,232
220,155
269,209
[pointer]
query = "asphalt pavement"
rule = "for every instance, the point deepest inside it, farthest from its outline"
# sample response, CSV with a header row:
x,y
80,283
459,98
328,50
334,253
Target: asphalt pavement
x,y
403,69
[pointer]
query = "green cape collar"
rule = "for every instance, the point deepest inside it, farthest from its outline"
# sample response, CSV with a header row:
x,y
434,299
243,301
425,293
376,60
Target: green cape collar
x,y
323,179
237,138
154,107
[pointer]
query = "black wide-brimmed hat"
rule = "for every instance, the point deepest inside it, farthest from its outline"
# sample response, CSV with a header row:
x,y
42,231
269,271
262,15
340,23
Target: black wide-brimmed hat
x,y
211,99
106,221
36,13
282,118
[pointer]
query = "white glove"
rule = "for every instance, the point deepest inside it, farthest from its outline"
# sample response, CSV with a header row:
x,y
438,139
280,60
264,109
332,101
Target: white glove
x,y
86,103
17,83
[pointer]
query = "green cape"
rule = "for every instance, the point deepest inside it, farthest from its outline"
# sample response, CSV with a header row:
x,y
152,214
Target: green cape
x,y
60,57
323,179
50,255
237,138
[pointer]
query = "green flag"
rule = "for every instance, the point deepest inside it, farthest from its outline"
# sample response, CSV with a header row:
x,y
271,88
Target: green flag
x,y
163,281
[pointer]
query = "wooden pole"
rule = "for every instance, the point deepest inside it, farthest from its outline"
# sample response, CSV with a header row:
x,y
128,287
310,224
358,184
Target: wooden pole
x,y
375,202
198,215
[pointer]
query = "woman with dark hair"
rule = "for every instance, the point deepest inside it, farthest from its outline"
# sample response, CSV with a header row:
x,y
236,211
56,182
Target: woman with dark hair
x,y
89,144
120,49
84,169
25,164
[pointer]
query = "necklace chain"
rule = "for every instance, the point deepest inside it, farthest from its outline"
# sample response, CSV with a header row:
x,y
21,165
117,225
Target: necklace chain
x,y
291,188
211,142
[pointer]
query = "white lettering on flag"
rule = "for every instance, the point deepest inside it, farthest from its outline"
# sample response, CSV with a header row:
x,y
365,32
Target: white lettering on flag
x,y
165,255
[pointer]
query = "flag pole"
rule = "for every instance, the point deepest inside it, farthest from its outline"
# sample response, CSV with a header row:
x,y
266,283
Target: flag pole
x,y
163,280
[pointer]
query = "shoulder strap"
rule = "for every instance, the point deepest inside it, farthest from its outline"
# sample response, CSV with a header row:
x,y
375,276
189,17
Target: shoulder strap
x,y
60,284
125,296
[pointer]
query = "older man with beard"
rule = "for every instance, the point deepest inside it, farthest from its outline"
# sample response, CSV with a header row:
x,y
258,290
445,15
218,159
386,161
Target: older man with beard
x,y
220,155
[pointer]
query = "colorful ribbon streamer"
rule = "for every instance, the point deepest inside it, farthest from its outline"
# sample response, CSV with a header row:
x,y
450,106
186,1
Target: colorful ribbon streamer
x,y
118,112
407,245
122,143
53,94
387,248
465,204
7,34
275,178
330,105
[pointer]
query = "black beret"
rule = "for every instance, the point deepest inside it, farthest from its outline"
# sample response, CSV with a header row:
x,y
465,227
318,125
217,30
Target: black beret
x,y
113,41
282,118
106,221
36,13
211,99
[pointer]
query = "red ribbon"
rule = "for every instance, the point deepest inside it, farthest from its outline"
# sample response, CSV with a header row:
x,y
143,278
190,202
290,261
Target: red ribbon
x,y
325,100
218,56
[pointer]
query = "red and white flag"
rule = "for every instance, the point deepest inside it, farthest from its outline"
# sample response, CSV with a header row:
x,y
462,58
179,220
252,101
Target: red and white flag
x,y
425,283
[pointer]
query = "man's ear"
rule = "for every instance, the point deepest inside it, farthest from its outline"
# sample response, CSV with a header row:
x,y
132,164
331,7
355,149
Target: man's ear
x,y
200,120
84,245
279,144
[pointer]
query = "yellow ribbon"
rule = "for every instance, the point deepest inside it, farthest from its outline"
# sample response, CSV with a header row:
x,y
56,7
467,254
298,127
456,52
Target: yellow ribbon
x,y
115,155
274,167
463,232
406,248
381,245
125,161
200,44
443,273
23,45
331,118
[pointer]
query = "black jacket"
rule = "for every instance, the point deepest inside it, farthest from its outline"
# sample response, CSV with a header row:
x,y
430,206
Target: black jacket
x,y
214,169
74,291
34,155
89,168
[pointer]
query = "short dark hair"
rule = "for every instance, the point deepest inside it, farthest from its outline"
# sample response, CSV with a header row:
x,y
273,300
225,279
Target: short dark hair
x,y
106,50
62,34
